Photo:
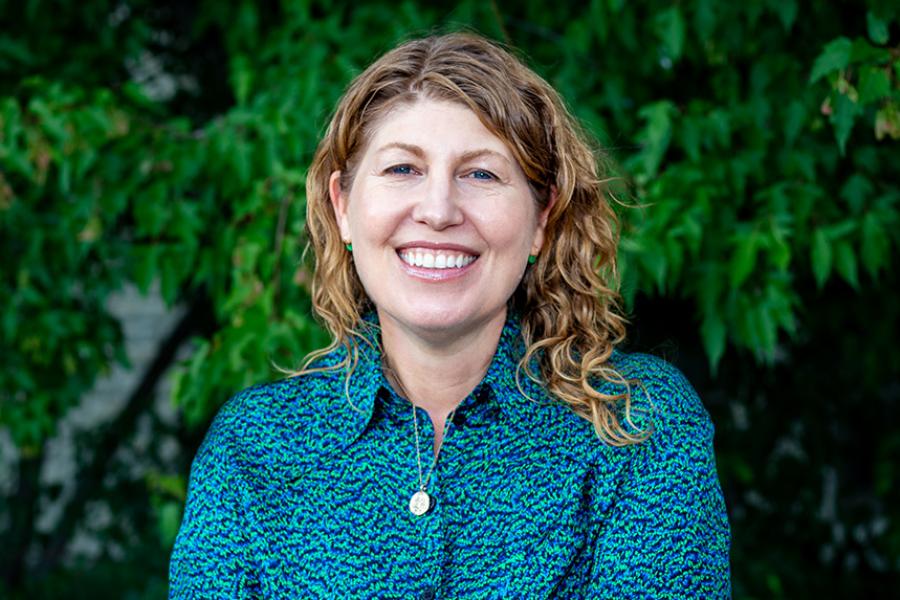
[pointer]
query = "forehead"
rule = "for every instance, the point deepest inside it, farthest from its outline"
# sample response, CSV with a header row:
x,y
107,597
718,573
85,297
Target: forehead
x,y
438,127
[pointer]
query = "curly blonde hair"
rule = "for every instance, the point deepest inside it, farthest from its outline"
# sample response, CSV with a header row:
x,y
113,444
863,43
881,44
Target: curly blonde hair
x,y
568,300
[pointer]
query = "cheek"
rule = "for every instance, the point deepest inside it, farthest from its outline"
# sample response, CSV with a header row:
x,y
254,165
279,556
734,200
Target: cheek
x,y
509,227
370,218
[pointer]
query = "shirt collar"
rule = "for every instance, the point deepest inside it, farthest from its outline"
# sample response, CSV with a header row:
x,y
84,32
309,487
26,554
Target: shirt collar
x,y
367,379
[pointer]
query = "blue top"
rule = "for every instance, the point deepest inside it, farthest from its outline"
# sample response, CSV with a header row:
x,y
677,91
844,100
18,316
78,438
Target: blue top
x,y
296,493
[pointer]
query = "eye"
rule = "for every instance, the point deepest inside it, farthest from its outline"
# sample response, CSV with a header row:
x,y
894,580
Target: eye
x,y
400,170
482,175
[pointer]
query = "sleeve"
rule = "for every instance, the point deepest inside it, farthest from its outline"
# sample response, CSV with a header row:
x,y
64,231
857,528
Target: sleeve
x,y
667,533
212,549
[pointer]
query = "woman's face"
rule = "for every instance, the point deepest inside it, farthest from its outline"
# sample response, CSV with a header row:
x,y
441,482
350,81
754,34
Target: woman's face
x,y
441,219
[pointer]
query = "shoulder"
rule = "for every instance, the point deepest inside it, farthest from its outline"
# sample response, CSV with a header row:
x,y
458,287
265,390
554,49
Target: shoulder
x,y
661,403
270,426
299,397
668,533
679,446
661,395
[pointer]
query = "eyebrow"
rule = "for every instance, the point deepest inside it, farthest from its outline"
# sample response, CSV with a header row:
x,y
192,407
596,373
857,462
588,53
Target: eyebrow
x,y
418,152
473,154
412,149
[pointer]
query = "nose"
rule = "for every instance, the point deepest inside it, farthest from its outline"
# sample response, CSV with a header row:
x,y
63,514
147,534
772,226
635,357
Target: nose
x,y
438,207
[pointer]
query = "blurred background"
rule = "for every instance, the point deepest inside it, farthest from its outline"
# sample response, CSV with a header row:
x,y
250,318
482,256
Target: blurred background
x,y
152,163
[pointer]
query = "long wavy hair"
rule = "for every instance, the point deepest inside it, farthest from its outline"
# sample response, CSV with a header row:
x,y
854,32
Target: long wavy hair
x,y
568,299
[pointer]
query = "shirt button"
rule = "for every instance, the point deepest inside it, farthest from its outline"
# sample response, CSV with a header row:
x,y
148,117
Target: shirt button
x,y
427,594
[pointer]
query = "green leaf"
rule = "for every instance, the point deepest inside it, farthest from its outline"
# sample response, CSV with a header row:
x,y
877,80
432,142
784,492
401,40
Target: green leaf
x,y
834,57
744,259
856,191
241,158
705,18
654,261
168,276
579,34
776,589
877,27
18,162
241,78
628,277
50,121
713,333
840,229
845,262
786,11
875,244
674,258
874,84
794,118
145,261
670,29
151,210
64,180
778,247
599,20
690,138
864,52
767,330
656,134
779,302
843,117
821,257
169,519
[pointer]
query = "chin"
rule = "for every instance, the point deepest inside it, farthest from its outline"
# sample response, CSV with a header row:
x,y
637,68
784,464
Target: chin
x,y
440,319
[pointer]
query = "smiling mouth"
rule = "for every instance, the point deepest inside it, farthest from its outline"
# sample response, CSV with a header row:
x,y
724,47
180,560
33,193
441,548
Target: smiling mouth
x,y
431,259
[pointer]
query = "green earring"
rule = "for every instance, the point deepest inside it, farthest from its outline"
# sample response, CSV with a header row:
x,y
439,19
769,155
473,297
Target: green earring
x,y
349,247
532,259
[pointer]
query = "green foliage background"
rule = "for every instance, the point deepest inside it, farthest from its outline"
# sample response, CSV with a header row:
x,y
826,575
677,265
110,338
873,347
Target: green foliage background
x,y
167,142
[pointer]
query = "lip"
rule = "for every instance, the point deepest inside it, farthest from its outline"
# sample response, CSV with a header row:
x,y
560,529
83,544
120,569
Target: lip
x,y
437,246
436,275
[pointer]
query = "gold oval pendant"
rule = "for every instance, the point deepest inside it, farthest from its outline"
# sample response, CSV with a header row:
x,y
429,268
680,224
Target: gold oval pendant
x,y
419,503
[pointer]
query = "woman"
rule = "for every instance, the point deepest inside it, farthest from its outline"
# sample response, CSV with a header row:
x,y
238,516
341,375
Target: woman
x,y
471,431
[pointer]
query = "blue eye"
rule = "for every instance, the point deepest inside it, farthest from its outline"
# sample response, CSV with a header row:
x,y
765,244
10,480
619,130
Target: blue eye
x,y
400,170
482,174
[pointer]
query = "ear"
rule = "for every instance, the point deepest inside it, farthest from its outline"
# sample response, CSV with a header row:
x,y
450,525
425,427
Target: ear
x,y
339,205
542,221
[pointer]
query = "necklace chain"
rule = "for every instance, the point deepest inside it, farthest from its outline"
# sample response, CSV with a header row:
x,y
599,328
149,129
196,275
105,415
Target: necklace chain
x,y
421,502
423,483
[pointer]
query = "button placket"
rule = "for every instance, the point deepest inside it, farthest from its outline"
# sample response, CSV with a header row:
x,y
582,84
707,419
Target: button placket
x,y
430,524
427,593
435,527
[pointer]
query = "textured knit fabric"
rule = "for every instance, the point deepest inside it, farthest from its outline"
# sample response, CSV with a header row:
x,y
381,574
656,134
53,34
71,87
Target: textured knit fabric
x,y
299,493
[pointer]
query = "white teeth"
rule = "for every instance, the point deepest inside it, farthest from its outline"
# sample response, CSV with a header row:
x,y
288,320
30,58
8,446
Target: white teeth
x,y
430,260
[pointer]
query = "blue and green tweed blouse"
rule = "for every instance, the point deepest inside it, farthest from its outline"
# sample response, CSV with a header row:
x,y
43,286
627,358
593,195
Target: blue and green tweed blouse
x,y
297,492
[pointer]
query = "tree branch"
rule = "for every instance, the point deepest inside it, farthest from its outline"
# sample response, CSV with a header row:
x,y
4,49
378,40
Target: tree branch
x,y
197,319
22,513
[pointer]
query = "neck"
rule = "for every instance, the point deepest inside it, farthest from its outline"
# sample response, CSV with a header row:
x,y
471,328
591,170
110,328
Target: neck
x,y
436,372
